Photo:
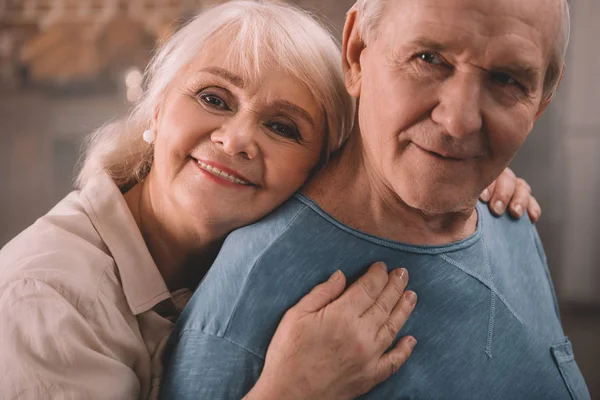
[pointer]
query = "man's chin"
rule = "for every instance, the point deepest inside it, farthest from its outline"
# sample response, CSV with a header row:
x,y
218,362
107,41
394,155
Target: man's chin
x,y
439,202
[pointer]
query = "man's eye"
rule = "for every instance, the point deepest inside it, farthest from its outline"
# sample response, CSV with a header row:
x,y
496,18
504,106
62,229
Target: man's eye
x,y
214,101
431,58
504,79
287,131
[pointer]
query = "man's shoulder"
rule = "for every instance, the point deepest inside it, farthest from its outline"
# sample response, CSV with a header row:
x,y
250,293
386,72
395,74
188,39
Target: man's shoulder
x,y
262,270
504,225
254,239
509,235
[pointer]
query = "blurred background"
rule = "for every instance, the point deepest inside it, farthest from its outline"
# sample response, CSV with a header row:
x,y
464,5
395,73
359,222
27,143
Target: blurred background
x,y
69,66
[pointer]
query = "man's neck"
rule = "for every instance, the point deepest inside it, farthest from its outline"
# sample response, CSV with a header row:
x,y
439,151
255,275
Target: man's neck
x,y
349,191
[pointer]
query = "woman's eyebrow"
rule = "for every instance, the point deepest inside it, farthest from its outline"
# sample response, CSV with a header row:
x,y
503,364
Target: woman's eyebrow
x,y
234,79
293,108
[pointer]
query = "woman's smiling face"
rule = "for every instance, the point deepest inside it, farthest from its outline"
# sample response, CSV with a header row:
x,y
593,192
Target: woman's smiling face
x,y
231,149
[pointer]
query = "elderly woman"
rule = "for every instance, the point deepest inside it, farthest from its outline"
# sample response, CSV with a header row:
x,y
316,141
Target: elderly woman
x,y
241,106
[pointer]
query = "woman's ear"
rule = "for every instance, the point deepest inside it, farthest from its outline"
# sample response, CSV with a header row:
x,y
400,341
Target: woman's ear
x,y
352,47
158,114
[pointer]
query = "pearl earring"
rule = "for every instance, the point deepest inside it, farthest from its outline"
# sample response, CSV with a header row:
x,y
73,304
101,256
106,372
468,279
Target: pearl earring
x,y
149,136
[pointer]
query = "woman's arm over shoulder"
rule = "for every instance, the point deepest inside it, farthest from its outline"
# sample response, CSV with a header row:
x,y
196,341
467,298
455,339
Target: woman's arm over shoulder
x,y
330,346
50,349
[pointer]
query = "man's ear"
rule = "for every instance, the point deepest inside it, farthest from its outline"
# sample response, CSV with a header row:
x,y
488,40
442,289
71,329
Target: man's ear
x,y
550,97
352,47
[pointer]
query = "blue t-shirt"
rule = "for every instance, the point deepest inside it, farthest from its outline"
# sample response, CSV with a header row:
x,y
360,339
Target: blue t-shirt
x,y
487,322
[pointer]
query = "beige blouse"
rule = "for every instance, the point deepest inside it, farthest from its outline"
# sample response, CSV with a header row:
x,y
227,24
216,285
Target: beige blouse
x,y
84,311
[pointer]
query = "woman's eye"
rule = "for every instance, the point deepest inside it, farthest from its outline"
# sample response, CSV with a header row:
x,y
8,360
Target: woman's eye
x,y
431,58
214,101
284,130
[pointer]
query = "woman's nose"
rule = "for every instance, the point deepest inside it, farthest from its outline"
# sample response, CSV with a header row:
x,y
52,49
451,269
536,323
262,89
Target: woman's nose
x,y
237,137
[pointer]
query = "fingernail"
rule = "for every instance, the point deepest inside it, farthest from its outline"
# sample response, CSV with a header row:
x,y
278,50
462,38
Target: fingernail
x,y
518,209
336,276
499,207
411,297
412,342
485,195
382,265
402,273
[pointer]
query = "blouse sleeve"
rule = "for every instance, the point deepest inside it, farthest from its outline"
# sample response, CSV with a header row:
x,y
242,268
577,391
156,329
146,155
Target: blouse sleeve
x,y
51,350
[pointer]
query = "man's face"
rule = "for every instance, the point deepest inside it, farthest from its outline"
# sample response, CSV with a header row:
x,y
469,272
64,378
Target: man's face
x,y
449,90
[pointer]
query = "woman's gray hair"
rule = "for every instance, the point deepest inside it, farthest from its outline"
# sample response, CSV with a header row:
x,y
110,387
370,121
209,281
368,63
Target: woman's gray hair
x,y
371,11
261,35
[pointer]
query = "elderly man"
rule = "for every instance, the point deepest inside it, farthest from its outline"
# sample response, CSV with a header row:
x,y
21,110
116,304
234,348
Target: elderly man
x,y
448,91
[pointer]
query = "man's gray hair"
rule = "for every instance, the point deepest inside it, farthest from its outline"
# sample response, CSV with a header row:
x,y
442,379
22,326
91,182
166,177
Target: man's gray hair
x,y
371,11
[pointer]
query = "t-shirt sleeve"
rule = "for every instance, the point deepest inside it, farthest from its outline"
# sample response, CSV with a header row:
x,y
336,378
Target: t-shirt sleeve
x,y
205,366
542,254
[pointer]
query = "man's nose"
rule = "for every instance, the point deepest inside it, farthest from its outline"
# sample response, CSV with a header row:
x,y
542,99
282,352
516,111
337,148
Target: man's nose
x,y
237,137
459,110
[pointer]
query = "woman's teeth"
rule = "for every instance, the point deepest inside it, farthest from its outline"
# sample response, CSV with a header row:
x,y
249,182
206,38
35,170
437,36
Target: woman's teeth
x,y
221,174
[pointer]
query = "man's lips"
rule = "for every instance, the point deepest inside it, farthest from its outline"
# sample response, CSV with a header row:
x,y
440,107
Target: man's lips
x,y
444,155
223,172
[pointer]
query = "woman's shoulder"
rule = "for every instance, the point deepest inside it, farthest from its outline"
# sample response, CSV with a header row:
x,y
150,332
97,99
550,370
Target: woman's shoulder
x,y
62,249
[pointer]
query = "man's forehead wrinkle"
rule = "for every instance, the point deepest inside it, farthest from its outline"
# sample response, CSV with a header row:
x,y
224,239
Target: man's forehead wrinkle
x,y
498,35
479,11
517,54
473,40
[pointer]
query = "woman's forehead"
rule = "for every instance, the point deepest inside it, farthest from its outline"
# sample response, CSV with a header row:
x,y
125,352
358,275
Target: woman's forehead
x,y
242,68
238,56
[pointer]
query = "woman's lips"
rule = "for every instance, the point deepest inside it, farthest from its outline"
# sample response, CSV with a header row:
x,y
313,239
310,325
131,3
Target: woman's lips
x,y
223,173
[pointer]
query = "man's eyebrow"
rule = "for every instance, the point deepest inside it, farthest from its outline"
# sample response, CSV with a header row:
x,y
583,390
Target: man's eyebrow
x,y
294,109
429,44
525,72
235,80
